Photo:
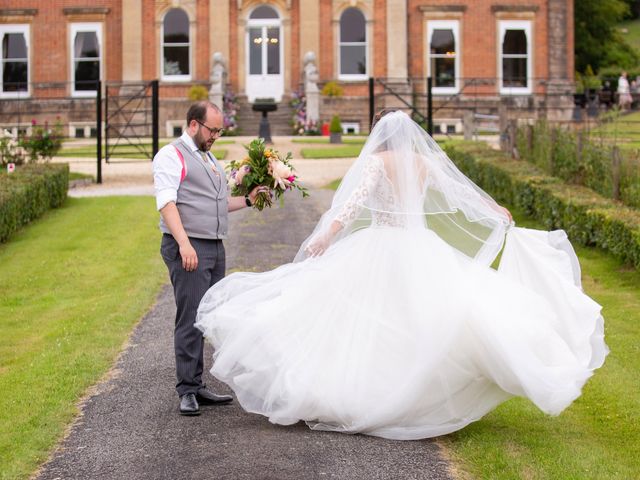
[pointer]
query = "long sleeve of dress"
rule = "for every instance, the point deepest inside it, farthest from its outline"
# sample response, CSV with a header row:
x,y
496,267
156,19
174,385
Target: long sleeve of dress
x,y
370,178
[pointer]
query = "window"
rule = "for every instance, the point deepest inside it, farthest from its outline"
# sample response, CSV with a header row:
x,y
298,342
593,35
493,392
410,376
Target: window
x,y
176,49
15,59
515,57
443,63
353,45
86,58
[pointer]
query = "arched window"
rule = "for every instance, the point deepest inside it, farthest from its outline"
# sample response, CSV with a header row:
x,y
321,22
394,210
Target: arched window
x,y
515,61
353,44
176,46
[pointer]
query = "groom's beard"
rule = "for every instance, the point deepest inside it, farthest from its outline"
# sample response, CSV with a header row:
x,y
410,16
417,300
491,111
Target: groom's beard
x,y
203,143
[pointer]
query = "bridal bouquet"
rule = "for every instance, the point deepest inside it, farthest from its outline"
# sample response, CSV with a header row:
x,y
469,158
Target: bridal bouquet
x,y
263,166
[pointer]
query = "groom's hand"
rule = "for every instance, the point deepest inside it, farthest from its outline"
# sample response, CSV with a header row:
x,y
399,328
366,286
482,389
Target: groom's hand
x,y
189,257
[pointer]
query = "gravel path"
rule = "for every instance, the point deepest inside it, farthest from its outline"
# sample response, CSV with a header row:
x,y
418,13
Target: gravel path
x,y
130,428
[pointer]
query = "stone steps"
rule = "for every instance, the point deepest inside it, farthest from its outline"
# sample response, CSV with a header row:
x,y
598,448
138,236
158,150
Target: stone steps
x,y
279,121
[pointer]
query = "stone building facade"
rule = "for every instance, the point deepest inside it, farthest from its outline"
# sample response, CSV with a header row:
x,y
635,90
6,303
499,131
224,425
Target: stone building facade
x,y
484,53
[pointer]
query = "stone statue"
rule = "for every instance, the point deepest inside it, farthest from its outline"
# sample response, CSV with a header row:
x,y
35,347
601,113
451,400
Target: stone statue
x,y
311,91
310,73
218,79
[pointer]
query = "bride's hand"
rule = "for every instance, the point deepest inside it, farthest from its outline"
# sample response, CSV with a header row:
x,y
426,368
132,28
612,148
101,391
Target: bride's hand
x,y
507,213
318,246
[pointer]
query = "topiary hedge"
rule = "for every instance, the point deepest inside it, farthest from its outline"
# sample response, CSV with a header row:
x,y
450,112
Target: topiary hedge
x,y
29,192
587,217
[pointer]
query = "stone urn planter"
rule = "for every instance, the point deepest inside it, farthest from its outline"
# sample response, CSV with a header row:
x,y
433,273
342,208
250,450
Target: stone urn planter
x,y
265,105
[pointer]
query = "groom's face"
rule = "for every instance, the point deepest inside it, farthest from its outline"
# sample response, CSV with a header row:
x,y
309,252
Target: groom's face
x,y
204,138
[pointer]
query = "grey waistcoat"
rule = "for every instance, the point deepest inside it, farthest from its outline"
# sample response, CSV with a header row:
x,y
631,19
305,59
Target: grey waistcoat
x,y
202,197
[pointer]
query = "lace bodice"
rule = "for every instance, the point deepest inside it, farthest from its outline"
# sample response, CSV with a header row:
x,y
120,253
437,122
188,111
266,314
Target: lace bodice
x,y
375,192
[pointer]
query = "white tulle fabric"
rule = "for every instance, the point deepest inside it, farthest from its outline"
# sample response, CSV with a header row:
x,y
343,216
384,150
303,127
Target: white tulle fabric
x,y
398,333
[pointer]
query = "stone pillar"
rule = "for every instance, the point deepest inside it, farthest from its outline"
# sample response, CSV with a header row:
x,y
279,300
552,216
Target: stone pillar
x,y
397,38
219,27
132,41
560,85
310,27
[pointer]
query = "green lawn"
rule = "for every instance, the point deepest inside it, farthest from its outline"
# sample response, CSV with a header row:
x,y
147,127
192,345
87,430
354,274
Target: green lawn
x,y
345,151
325,140
595,438
632,34
72,286
127,151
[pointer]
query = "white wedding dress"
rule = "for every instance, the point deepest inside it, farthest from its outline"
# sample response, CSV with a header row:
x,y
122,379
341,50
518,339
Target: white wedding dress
x,y
395,333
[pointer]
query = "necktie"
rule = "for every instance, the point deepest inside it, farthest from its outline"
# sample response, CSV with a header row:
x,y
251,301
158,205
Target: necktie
x,y
205,158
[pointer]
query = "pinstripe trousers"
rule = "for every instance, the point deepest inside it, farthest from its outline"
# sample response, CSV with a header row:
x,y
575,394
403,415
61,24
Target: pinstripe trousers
x,y
188,289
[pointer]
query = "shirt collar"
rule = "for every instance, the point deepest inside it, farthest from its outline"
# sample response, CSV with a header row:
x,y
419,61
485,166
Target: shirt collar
x,y
186,138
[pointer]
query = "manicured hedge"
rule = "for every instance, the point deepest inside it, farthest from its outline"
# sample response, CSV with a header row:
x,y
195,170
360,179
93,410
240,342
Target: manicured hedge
x,y
588,217
581,160
29,192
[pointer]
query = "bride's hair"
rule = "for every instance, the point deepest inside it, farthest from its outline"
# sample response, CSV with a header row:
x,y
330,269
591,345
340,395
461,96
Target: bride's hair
x,y
380,114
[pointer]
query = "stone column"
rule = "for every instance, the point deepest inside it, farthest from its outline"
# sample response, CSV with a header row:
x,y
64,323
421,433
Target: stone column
x,y
310,28
219,27
132,41
560,84
397,39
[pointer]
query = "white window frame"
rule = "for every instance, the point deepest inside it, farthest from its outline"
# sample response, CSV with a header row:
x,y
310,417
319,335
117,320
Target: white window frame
x,y
176,78
454,26
75,28
503,26
25,30
353,77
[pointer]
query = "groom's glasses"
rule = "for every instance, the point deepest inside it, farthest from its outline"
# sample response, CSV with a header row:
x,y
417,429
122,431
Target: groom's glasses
x,y
212,131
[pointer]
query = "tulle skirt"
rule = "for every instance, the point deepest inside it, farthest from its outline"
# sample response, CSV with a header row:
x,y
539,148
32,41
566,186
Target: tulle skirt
x,y
394,333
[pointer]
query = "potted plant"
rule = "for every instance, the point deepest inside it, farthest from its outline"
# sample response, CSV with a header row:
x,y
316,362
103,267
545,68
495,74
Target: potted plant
x,y
335,130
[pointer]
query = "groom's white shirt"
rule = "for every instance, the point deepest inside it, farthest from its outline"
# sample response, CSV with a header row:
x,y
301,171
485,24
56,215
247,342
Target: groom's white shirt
x,y
167,170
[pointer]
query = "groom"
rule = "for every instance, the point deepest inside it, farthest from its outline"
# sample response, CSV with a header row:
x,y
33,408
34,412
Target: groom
x,y
192,197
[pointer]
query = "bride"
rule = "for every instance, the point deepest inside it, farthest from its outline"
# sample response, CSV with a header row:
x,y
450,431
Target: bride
x,y
391,321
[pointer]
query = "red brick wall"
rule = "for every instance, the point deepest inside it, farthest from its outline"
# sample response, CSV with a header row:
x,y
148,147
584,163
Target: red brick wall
x,y
49,43
478,33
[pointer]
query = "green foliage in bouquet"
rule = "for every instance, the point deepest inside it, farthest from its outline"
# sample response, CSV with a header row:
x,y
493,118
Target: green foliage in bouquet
x,y
263,167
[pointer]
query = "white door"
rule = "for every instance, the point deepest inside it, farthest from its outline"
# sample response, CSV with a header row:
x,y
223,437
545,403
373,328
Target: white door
x,y
264,55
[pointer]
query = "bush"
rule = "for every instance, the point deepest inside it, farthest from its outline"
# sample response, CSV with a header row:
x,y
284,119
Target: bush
x,y
197,93
29,192
44,142
332,89
587,217
10,149
335,126
579,160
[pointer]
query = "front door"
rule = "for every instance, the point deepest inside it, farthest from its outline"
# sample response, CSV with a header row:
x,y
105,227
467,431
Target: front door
x,y
264,55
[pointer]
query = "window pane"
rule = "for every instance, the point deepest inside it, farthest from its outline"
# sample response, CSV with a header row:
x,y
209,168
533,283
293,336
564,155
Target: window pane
x,y
444,71
514,72
352,26
14,77
86,45
176,60
443,42
273,51
14,46
515,42
176,26
255,51
264,12
87,74
353,60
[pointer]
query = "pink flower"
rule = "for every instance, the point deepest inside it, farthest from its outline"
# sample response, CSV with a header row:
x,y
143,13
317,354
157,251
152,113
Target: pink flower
x,y
241,173
292,178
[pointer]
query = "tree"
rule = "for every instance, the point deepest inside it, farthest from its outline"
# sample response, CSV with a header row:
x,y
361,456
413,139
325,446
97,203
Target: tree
x,y
598,42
